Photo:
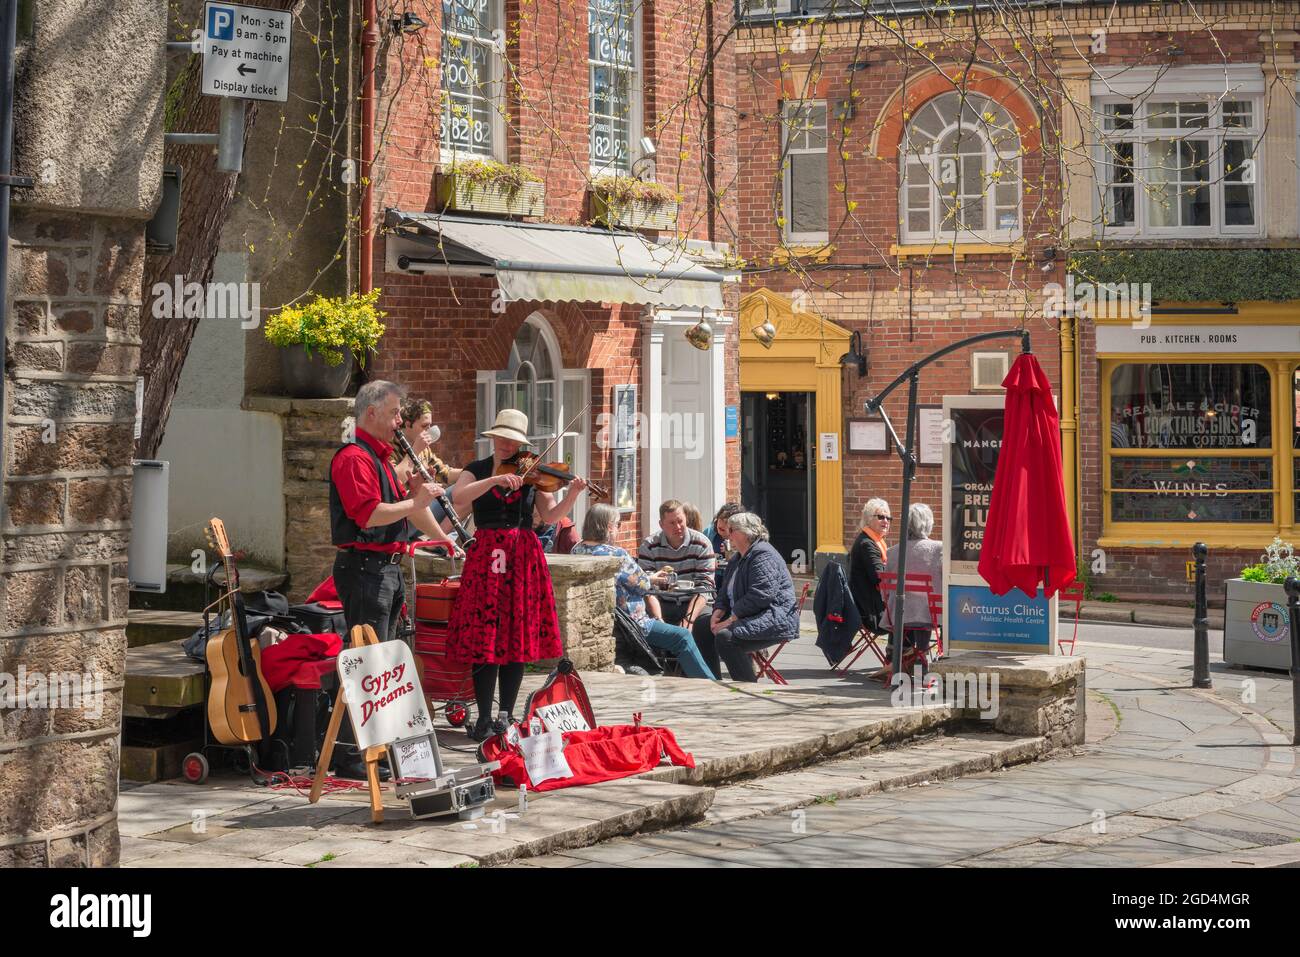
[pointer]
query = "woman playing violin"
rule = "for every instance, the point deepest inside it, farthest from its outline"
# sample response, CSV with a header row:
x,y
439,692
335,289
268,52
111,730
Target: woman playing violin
x,y
504,615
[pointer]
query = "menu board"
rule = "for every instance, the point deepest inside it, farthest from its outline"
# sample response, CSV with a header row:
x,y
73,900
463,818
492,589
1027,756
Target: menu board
x,y
977,439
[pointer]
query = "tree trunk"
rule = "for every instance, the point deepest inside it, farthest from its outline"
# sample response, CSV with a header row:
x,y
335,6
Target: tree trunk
x,y
205,205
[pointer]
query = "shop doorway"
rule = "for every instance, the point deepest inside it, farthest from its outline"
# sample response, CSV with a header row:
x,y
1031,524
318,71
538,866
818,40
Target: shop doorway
x,y
778,462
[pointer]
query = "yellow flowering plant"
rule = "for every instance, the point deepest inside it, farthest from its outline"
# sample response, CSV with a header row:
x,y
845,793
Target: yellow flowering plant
x,y
329,326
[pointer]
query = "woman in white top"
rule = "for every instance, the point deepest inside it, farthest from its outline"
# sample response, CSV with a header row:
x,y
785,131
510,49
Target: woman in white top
x,y
924,557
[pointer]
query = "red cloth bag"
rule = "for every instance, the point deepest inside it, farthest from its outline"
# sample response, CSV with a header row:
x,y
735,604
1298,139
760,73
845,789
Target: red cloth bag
x,y
300,661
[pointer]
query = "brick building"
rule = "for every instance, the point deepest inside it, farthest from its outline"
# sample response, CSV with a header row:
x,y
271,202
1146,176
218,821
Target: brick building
x,y
562,304
1118,144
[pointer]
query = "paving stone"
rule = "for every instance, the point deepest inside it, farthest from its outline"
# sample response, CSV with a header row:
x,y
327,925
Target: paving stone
x,y
311,852
187,858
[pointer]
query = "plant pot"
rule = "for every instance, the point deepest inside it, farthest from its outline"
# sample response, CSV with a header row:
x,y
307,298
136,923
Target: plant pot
x,y
308,377
1256,624
636,214
461,194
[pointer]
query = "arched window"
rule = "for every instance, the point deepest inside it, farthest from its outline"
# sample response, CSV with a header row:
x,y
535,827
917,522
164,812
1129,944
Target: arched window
x,y
535,382
960,171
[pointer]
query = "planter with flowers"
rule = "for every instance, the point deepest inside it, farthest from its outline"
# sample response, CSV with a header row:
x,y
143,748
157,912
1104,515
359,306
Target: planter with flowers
x,y
1256,623
486,186
321,339
624,201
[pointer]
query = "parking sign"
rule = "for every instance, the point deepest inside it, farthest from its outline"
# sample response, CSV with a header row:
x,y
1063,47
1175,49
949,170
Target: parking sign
x,y
246,51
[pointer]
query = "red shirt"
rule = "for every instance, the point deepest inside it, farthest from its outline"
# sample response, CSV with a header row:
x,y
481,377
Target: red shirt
x,y
353,474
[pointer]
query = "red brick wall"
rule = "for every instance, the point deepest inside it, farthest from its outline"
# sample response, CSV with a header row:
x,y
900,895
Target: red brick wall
x,y
441,331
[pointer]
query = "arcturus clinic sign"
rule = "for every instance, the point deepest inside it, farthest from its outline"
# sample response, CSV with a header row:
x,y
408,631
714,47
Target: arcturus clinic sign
x,y
974,618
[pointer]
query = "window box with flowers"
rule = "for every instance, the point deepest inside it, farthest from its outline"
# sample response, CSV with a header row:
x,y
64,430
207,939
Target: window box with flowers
x,y
633,204
486,186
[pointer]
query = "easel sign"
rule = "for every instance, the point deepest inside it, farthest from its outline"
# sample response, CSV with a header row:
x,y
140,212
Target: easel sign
x,y
380,689
383,693
974,619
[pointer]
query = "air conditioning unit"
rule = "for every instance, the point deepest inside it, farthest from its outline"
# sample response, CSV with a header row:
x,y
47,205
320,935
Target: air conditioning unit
x,y
988,369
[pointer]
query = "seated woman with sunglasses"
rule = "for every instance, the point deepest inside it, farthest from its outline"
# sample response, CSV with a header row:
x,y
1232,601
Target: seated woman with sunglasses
x,y
866,562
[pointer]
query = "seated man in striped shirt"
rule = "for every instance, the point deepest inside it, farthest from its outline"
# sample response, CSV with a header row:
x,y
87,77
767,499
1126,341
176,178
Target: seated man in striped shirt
x,y
678,548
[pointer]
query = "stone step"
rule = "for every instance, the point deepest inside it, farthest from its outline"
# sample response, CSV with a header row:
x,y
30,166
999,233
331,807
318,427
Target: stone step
x,y
161,681
939,758
185,591
153,626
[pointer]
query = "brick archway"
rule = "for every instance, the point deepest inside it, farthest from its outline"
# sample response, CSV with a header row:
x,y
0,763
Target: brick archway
x,y
907,100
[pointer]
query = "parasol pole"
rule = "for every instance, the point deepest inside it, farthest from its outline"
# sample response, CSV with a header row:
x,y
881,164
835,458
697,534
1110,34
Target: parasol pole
x,y
907,454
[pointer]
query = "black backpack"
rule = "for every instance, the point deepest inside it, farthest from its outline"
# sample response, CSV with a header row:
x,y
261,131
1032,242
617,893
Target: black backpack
x,y
631,651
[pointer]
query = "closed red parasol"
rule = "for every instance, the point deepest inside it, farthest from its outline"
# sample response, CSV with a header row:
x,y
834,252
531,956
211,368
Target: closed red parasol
x,y
1027,538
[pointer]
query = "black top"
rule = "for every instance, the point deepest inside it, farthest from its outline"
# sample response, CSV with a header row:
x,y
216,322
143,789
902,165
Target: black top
x,y
497,507
344,531
865,566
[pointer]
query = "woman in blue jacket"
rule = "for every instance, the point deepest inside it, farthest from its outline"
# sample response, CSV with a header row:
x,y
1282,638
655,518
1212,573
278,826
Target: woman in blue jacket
x,y
755,606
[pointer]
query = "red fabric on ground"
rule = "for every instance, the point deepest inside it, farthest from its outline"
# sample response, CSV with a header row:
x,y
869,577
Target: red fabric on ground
x,y
300,661
602,754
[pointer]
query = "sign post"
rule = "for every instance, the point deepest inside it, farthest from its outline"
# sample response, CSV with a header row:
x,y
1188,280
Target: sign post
x,y
974,619
246,52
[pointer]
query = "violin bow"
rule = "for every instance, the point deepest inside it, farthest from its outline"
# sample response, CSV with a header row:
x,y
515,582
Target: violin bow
x,y
541,457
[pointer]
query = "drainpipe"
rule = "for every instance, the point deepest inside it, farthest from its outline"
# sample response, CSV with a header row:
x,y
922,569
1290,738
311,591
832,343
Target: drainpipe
x,y
9,14
369,41
711,135
1069,425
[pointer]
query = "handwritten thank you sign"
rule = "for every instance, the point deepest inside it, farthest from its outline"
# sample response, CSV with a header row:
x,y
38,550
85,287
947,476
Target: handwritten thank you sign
x,y
382,689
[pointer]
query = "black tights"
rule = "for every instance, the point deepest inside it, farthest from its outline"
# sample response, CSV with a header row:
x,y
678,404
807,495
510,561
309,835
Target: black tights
x,y
485,680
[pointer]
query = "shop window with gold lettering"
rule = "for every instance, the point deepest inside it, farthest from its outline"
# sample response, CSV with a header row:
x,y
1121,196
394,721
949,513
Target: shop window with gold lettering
x,y
1190,442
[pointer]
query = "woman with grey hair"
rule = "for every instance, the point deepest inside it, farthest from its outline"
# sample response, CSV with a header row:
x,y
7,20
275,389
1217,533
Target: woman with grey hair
x,y
755,606
924,557
630,588
867,560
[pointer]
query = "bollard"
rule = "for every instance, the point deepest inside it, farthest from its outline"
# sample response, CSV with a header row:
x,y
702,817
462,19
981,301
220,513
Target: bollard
x,y
1201,624
1292,587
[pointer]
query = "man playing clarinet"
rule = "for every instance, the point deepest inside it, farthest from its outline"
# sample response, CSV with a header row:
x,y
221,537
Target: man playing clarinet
x,y
372,520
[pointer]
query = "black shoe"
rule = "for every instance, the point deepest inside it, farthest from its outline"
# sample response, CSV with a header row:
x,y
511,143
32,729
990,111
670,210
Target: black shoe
x,y
481,730
354,769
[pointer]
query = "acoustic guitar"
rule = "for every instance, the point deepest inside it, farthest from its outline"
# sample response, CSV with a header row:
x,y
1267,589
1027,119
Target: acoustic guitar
x,y
241,708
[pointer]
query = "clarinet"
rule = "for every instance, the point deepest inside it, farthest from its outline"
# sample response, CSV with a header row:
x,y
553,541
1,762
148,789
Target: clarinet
x,y
466,538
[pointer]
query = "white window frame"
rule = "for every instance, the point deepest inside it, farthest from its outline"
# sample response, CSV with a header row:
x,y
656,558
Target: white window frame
x,y
636,97
486,382
992,158
765,8
787,171
449,154
1142,135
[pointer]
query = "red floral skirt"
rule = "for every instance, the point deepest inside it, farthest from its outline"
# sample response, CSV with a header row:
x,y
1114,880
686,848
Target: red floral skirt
x,y
505,608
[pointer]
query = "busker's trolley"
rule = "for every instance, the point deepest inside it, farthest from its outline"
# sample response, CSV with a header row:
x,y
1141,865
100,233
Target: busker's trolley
x,y
448,682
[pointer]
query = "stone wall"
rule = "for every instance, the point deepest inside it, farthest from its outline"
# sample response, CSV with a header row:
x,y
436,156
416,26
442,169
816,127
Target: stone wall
x,y
584,602
1040,695
72,352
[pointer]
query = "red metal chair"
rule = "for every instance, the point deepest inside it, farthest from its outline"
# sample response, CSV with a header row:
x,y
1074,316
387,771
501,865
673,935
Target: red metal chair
x,y
1073,592
936,620
918,584
763,658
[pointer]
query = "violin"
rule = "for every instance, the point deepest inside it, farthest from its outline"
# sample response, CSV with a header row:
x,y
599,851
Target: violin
x,y
548,477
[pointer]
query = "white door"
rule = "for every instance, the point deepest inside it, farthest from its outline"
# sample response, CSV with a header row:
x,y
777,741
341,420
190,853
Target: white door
x,y
685,426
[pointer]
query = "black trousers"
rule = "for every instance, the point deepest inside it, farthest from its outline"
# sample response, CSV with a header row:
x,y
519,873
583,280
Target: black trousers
x,y
734,651
372,591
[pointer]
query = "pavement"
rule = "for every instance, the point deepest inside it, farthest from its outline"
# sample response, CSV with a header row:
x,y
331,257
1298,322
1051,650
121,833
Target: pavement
x,y
1169,777
734,732
825,772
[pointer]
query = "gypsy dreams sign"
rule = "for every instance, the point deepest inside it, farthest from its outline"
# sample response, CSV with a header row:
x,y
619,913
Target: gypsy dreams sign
x,y
382,689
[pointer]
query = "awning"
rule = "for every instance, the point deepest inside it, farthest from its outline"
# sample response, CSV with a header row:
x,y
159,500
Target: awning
x,y
546,263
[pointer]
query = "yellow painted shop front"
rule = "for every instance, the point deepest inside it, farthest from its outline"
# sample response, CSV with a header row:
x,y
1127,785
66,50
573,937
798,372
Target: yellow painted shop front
x,y
1200,427
791,393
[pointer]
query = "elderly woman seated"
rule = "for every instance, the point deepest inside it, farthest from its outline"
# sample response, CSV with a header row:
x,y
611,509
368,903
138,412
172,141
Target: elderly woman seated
x,y
924,557
754,608
630,588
